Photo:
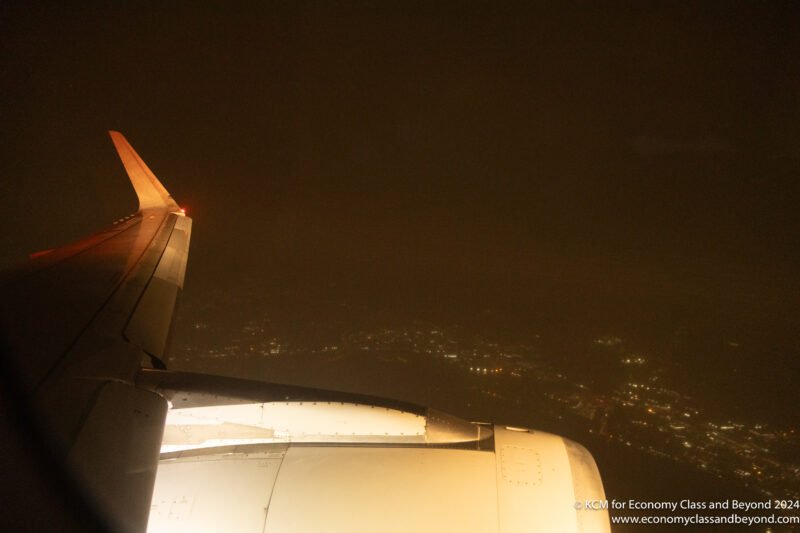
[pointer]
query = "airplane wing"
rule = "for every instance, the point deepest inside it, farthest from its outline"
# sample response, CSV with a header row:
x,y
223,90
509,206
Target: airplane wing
x,y
85,328
78,322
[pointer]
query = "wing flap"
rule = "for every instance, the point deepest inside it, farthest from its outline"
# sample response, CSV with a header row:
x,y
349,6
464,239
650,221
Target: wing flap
x,y
151,321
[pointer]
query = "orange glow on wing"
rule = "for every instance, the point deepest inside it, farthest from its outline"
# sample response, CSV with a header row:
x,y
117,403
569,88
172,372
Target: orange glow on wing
x,y
34,255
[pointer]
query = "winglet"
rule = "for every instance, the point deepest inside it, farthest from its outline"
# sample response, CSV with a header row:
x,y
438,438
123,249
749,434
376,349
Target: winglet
x,y
149,190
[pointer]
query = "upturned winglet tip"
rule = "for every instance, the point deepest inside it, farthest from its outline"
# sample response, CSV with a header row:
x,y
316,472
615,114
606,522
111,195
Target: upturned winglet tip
x,y
152,194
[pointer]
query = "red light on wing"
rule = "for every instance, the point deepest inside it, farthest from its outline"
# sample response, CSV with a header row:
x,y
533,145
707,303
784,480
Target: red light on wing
x,y
34,255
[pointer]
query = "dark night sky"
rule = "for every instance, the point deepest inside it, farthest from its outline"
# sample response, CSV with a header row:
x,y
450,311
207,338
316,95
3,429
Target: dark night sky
x,y
630,164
